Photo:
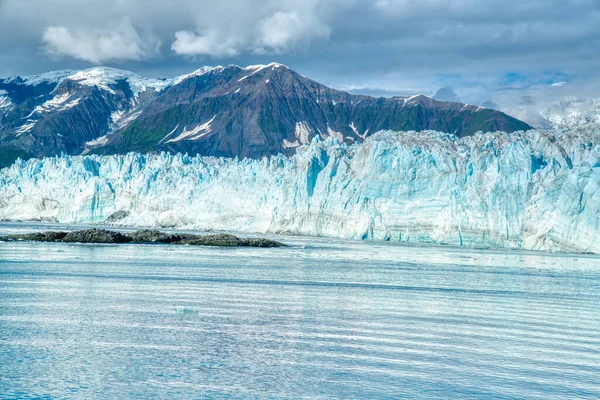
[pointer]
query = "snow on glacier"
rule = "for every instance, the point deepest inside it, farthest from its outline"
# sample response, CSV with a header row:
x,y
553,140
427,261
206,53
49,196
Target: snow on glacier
x,y
48,77
532,190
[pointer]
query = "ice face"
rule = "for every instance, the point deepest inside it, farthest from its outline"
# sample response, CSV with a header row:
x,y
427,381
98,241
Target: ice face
x,y
535,190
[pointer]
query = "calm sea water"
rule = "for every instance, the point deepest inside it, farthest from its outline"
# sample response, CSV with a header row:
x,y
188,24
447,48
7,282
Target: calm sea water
x,y
320,319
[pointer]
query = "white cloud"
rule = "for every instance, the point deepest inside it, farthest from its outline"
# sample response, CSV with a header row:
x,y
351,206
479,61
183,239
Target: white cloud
x,y
189,44
284,30
255,27
118,41
416,45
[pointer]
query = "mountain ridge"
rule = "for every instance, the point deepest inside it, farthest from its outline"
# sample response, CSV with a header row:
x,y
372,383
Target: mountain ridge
x,y
231,111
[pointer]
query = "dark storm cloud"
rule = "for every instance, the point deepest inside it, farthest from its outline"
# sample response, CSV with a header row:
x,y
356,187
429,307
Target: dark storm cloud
x,y
397,46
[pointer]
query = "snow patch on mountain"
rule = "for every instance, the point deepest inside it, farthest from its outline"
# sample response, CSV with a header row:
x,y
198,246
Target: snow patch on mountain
x,y
169,134
124,119
28,126
353,127
198,72
260,67
34,80
195,133
303,132
101,141
5,102
290,145
355,130
411,100
57,103
257,68
103,77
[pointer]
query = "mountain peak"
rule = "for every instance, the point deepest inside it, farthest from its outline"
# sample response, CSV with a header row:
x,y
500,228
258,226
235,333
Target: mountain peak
x,y
259,67
253,69
200,71
34,80
103,77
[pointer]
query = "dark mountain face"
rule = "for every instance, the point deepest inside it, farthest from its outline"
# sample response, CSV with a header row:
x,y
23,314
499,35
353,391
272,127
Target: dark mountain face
x,y
63,112
232,111
257,111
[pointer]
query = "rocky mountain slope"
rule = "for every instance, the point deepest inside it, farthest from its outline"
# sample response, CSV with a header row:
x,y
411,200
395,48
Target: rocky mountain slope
x,y
224,111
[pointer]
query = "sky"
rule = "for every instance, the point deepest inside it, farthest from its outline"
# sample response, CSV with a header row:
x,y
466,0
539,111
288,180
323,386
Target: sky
x,y
509,52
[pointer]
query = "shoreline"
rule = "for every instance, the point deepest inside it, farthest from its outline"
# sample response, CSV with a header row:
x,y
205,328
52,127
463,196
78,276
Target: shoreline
x,y
52,225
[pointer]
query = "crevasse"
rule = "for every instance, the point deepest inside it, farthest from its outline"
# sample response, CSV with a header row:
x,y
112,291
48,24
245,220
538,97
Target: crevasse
x,y
532,190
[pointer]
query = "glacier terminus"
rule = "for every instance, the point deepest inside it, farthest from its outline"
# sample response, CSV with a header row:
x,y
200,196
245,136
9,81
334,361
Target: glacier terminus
x,y
534,190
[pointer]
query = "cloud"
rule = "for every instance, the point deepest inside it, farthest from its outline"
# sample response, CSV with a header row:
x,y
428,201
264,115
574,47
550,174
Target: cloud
x,y
284,30
189,44
398,46
446,94
120,41
262,28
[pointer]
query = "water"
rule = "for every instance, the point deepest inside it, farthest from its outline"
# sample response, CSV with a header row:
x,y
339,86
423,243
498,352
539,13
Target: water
x,y
320,319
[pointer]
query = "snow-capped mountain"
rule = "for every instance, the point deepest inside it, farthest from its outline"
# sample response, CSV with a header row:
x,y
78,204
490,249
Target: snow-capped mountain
x,y
568,113
224,111
572,113
60,112
531,190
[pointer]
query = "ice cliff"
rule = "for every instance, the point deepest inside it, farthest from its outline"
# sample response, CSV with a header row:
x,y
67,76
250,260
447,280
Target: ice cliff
x,y
532,190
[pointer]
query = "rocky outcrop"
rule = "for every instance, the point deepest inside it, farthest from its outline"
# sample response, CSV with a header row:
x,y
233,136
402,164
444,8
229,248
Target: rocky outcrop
x,y
153,236
96,236
142,236
49,236
226,240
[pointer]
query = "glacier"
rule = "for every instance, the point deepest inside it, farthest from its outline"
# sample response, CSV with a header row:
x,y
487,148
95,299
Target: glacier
x,y
535,190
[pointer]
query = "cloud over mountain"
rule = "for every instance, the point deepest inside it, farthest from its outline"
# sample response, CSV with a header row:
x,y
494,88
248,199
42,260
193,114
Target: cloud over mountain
x,y
117,41
397,45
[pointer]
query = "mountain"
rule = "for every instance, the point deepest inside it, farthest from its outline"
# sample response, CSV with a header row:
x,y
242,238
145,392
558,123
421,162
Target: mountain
x,y
565,113
573,113
223,111
61,111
